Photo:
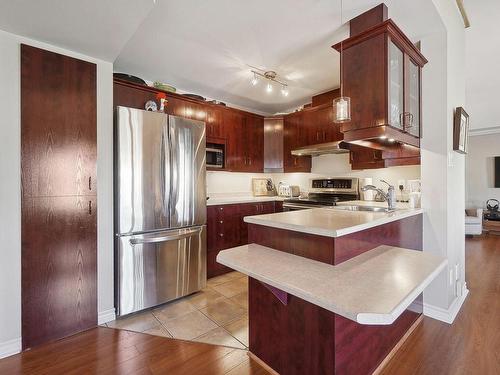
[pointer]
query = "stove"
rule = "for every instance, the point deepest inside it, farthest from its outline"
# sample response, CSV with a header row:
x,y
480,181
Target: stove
x,y
325,192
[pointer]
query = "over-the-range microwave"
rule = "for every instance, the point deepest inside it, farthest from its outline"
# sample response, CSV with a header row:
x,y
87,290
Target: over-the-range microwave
x,y
215,157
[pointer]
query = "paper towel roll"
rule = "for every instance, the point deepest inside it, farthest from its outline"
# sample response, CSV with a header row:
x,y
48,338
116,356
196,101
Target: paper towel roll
x,y
366,195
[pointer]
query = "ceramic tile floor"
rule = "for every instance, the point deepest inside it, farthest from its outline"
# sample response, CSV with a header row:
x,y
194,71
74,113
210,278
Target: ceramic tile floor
x,y
216,315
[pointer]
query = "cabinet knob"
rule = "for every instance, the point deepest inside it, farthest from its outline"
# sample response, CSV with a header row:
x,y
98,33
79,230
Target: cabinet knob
x,y
221,221
221,234
221,208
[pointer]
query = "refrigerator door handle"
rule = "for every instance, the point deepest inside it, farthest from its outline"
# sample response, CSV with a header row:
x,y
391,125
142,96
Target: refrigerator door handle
x,y
191,232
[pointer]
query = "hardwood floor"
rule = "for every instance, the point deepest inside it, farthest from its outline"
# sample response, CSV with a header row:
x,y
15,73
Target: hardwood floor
x,y
110,351
470,346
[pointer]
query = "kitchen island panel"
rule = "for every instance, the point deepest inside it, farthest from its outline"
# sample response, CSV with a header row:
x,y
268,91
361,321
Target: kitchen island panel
x,y
406,233
296,338
318,248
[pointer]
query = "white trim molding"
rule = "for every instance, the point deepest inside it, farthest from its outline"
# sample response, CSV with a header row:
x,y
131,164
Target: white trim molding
x,y
10,347
106,316
447,315
484,131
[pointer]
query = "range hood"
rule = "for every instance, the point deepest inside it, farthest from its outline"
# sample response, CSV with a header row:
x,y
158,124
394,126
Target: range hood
x,y
338,147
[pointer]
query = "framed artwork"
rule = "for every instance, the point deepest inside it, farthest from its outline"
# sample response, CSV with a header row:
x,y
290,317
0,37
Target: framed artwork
x,y
461,131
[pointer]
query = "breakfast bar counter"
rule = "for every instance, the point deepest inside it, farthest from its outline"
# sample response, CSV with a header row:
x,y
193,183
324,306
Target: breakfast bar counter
x,y
372,288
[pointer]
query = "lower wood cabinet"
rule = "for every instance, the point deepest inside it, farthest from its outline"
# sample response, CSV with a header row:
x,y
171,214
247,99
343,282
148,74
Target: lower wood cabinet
x,y
226,228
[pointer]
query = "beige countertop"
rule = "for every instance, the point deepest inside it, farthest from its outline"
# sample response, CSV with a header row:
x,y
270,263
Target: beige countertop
x,y
375,287
329,222
235,199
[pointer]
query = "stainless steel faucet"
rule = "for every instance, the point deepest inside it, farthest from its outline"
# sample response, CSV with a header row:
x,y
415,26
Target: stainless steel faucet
x,y
390,196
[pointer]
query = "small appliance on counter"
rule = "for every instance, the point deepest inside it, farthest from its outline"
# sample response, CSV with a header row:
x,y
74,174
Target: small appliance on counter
x,y
289,191
263,187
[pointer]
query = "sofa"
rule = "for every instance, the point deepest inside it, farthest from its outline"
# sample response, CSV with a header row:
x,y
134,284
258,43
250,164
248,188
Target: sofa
x,y
474,222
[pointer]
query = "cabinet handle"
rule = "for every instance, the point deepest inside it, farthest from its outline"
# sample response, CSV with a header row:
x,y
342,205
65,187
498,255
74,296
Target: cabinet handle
x,y
249,161
317,136
324,136
90,207
90,183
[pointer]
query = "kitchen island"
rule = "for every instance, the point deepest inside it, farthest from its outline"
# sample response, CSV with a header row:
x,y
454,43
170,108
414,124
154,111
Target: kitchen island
x,y
344,308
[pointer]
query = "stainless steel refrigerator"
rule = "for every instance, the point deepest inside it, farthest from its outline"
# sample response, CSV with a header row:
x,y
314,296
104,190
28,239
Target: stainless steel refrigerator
x,y
160,208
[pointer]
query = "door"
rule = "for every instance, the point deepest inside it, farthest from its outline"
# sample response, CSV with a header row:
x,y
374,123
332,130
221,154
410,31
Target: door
x,y
58,204
143,170
158,267
59,262
188,196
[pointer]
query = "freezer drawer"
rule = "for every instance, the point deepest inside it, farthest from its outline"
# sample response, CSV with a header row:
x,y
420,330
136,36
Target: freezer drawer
x,y
158,267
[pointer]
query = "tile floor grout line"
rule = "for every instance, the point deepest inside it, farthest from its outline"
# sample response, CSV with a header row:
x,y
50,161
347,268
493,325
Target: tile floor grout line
x,y
161,324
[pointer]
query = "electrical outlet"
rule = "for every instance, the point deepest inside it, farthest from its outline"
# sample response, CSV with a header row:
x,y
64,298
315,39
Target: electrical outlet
x,y
401,183
457,272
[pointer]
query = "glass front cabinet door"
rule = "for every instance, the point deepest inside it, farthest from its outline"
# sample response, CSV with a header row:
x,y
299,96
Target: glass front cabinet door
x,y
403,90
412,105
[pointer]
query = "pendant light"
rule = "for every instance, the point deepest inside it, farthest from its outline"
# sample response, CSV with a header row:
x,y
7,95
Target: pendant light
x,y
342,104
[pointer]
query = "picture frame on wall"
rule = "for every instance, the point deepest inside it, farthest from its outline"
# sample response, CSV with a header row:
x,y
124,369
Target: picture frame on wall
x,y
461,131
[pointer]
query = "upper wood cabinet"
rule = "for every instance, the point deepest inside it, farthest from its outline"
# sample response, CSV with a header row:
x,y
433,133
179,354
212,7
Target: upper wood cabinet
x,y
214,124
382,76
294,133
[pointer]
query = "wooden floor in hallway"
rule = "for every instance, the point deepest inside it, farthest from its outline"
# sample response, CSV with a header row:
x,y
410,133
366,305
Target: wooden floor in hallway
x,y
470,346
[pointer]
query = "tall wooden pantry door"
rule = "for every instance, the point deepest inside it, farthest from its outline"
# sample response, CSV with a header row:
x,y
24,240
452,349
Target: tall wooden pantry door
x,y
58,163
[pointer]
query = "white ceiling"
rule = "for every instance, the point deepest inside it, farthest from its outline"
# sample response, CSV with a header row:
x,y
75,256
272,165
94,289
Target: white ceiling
x,y
206,47
482,63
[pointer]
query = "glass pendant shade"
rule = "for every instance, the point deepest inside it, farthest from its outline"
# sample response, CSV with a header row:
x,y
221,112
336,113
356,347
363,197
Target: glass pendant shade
x,y
342,109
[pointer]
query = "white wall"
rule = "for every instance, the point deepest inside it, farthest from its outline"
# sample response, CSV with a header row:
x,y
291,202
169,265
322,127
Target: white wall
x,y
10,187
443,171
322,166
480,170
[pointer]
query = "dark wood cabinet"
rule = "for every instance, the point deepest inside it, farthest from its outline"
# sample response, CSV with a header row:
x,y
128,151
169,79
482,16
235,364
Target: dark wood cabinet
x,y
226,228
59,202
214,125
382,75
294,132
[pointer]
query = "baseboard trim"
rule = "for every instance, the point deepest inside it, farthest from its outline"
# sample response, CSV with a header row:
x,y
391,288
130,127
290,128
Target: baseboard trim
x,y
106,316
10,347
447,315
